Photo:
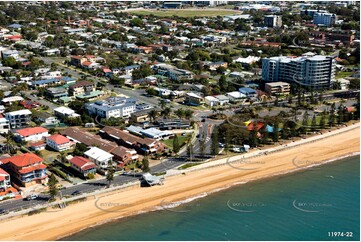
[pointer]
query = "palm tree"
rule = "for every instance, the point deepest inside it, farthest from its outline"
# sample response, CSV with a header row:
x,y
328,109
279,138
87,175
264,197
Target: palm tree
x,y
166,112
162,104
9,143
110,174
152,115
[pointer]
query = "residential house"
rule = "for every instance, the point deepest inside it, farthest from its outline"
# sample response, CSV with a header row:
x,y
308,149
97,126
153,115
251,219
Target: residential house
x,y
59,142
56,92
222,99
128,70
11,100
4,124
141,145
39,145
140,116
63,112
249,92
4,180
236,96
211,101
31,134
124,155
215,65
172,72
79,136
45,118
194,99
81,87
100,157
29,104
18,119
26,169
83,165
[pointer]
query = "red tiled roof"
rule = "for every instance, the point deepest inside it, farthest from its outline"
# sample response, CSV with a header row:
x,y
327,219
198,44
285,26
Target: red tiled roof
x,y
31,131
82,84
83,163
23,159
251,126
36,144
78,57
3,174
14,37
32,168
86,63
59,139
107,70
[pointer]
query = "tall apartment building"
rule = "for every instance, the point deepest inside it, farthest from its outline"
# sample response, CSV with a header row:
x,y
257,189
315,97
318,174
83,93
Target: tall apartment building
x,y
316,71
117,107
273,21
326,19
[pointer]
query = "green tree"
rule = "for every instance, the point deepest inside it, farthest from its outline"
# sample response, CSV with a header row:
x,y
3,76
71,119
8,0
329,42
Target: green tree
x,y
9,61
166,112
110,174
153,114
52,131
215,143
223,84
276,131
77,106
305,121
52,185
313,123
322,120
145,164
176,146
151,92
79,149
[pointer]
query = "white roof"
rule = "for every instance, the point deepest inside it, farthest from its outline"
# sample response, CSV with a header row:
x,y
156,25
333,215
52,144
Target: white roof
x,y
191,94
12,99
221,97
20,112
275,84
250,59
211,98
98,154
64,110
236,94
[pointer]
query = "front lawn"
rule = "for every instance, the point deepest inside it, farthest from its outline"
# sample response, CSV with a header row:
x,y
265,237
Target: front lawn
x,y
181,139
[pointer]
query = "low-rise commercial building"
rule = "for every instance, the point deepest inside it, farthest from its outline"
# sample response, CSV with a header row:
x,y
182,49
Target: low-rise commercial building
x,y
277,88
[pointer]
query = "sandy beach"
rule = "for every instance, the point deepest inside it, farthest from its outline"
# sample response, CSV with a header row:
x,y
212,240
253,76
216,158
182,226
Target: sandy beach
x,y
136,199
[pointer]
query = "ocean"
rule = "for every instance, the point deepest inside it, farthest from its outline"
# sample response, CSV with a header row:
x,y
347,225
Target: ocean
x,y
322,203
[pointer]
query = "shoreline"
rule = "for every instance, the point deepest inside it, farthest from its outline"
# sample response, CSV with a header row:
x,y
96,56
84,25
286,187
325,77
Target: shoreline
x,y
206,194
178,189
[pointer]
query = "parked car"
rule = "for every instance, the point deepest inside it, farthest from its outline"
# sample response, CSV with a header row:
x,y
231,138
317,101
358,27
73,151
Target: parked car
x,y
32,197
77,192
